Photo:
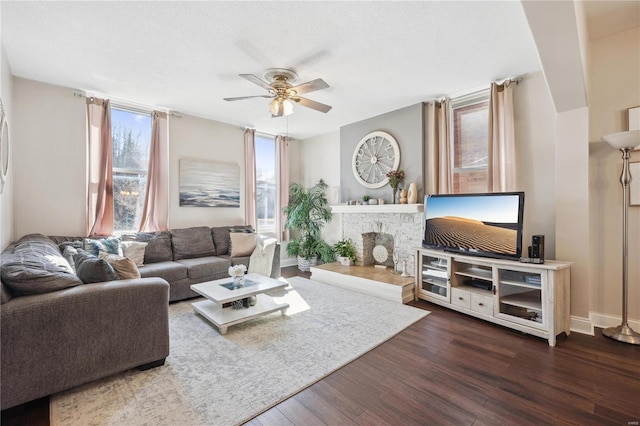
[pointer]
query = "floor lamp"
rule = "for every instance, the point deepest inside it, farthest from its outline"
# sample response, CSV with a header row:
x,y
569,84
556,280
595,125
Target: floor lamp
x,y
625,142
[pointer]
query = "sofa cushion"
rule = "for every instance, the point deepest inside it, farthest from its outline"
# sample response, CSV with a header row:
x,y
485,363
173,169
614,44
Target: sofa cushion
x,y
169,270
211,266
26,273
188,243
35,265
90,269
222,239
134,250
5,294
124,267
242,244
158,248
108,245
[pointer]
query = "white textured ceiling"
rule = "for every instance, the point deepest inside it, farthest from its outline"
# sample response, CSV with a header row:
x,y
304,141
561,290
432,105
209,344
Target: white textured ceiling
x,y
186,56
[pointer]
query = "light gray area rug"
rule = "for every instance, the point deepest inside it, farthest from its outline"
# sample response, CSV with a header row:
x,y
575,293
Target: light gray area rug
x,y
213,379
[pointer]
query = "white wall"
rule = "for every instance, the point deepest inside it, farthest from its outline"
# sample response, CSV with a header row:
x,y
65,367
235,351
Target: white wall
x,y
614,87
6,198
49,147
320,159
534,122
49,162
191,137
572,203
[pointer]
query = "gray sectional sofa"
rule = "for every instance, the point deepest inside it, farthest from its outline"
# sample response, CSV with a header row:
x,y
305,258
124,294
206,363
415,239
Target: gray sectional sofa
x,y
63,333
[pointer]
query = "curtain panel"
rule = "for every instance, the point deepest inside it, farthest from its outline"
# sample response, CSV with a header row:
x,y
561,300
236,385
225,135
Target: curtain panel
x,y
502,155
99,219
437,174
155,213
250,191
283,168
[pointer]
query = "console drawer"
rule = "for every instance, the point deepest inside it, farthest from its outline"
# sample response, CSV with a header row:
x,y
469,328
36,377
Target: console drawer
x,y
482,304
460,298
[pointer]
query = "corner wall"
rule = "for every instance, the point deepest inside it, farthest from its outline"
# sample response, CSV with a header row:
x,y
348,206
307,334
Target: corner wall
x,y
614,86
6,198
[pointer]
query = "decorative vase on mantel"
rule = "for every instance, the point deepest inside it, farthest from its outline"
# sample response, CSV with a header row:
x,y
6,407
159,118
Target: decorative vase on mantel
x,y
395,192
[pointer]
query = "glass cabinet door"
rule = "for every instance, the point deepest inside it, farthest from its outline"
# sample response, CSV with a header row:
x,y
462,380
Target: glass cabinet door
x,y
520,296
435,276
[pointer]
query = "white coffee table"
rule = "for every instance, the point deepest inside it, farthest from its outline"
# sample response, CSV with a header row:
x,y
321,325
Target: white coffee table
x,y
217,294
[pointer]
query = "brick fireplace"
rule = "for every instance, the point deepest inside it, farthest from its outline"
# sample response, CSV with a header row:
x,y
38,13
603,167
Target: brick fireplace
x,y
390,226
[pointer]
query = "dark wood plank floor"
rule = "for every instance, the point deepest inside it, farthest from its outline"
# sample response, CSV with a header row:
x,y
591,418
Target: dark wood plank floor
x,y
449,368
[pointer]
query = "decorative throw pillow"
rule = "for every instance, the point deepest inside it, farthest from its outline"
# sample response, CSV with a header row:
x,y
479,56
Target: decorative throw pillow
x,y
134,250
68,252
242,244
90,269
124,267
110,245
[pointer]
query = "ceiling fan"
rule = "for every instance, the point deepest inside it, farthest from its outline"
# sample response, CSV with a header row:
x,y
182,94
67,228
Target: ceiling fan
x,y
279,83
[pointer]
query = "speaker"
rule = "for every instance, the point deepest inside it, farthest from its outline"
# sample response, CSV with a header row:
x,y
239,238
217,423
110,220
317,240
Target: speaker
x,y
537,247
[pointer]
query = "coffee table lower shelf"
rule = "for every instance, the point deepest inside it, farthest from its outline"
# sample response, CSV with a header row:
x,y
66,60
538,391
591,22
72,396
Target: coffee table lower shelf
x,y
224,317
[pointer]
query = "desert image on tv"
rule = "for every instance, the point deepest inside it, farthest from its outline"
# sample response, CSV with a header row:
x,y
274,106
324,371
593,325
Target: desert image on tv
x,y
451,231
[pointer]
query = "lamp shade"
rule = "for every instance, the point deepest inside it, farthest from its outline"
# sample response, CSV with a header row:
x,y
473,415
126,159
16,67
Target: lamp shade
x,y
629,139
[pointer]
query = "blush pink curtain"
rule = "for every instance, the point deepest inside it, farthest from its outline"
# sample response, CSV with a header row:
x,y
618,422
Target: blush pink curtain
x,y
100,171
283,168
438,175
155,213
250,178
502,151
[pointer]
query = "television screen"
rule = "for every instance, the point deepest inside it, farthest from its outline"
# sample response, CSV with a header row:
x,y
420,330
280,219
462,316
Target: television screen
x,y
479,224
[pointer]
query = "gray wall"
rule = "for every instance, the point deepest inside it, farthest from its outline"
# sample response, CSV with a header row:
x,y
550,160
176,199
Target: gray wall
x,y
405,125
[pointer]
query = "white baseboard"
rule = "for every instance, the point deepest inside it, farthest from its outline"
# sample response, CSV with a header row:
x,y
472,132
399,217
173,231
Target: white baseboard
x,y
288,261
581,325
604,320
596,319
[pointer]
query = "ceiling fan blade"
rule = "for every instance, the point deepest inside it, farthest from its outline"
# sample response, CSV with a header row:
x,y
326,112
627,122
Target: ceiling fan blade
x,y
311,86
311,104
239,98
252,78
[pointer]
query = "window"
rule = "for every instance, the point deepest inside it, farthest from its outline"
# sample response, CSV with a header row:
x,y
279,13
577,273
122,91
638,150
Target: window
x,y
131,141
266,184
470,120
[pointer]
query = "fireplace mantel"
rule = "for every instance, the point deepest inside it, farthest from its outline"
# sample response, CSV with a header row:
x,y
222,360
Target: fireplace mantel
x,y
379,208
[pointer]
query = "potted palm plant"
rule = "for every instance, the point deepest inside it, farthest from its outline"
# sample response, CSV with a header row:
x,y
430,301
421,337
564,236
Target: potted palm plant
x,y
308,211
345,251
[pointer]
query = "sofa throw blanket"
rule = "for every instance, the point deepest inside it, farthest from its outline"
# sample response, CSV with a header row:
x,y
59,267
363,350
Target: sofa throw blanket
x,y
261,259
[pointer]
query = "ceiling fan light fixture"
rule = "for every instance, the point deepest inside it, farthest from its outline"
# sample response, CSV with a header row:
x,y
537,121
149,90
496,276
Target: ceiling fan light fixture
x,y
287,105
280,107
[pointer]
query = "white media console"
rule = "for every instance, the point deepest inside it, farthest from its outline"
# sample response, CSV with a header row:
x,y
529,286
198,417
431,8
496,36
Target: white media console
x,y
531,298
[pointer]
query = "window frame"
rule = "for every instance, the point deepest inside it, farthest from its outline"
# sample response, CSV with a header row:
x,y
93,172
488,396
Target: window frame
x,y
140,173
464,101
271,230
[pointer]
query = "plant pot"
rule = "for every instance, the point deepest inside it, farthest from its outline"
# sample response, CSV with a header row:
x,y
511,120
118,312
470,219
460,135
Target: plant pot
x,y
345,261
305,264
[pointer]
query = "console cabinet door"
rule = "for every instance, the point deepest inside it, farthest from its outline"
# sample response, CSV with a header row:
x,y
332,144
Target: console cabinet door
x,y
520,296
435,274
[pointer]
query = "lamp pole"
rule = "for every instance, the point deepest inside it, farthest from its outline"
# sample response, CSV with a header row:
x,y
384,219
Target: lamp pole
x,y
623,332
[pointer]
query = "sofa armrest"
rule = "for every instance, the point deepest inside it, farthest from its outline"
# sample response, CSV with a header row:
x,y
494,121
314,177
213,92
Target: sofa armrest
x,y
55,341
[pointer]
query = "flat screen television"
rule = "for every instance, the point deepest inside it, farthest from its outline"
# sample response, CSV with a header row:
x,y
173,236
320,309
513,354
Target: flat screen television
x,y
487,225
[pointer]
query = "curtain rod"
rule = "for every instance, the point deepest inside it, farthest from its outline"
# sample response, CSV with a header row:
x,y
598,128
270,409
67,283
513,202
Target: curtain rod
x,y
132,106
515,80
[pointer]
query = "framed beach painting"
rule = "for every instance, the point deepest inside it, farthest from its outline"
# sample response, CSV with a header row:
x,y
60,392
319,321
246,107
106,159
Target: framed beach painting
x,y
206,183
